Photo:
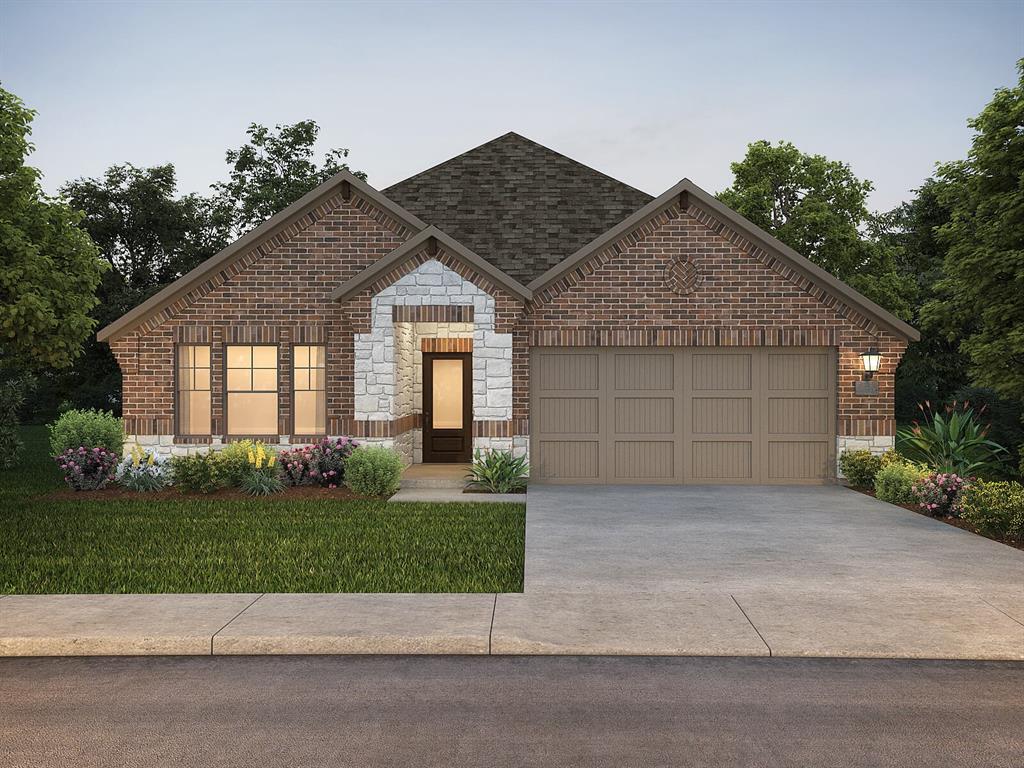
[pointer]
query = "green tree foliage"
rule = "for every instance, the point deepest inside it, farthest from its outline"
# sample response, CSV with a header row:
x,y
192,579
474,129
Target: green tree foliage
x,y
819,208
933,369
274,169
49,268
149,236
980,298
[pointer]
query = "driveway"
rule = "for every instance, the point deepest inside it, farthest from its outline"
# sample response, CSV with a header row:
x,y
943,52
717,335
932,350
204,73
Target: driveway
x,y
670,539
795,571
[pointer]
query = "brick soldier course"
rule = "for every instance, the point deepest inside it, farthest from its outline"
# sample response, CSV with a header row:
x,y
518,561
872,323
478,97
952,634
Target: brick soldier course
x,y
379,278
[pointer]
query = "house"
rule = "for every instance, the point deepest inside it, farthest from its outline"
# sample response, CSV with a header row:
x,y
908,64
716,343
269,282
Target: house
x,y
513,298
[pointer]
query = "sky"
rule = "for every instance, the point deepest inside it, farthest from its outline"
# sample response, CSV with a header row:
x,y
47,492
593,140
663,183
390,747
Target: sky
x,y
646,92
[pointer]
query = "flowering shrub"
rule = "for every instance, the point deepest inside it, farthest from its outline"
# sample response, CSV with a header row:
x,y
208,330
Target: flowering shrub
x,y
234,461
87,469
322,463
939,494
142,472
264,476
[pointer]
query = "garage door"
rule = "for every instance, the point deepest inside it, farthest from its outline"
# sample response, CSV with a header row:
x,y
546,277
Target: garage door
x,y
694,415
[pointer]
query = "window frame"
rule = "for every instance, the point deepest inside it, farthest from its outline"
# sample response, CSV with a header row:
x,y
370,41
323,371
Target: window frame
x,y
177,390
226,391
291,350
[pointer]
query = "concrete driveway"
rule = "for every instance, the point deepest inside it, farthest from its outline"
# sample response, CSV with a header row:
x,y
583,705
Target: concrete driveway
x,y
661,539
793,571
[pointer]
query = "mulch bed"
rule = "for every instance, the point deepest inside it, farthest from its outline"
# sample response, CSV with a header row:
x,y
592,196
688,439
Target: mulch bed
x,y
118,493
956,522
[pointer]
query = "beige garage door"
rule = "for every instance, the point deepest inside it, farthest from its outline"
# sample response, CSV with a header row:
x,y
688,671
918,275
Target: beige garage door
x,y
702,415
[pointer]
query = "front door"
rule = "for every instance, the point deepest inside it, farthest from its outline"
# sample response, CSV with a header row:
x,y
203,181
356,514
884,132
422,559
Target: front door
x,y
447,407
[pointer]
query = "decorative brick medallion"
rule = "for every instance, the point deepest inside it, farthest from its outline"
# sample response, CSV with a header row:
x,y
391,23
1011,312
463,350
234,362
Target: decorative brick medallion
x,y
682,276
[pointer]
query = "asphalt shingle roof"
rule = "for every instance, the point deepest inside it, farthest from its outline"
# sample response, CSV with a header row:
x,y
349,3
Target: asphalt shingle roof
x,y
518,204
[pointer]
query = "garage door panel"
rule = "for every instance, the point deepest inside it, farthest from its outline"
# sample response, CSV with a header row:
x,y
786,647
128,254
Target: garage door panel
x,y
798,415
570,459
798,460
721,416
644,372
646,459
714,371
721,460
644,415
570,415
569,371
788,371
706,415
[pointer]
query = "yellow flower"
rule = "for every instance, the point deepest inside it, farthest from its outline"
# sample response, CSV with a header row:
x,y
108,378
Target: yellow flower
x,y
252,456
151,460
272,460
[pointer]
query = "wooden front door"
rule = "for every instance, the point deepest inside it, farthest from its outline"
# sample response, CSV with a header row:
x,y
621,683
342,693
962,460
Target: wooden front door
x,y
447,407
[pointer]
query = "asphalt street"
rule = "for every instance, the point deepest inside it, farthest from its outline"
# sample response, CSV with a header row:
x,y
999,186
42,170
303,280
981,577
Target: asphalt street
x,y
506,711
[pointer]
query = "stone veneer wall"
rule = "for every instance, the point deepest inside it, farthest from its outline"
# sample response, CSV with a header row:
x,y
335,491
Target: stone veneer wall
x,y
388,376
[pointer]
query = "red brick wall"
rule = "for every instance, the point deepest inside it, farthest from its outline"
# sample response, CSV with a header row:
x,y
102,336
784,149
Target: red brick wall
x,y
278,292
743,297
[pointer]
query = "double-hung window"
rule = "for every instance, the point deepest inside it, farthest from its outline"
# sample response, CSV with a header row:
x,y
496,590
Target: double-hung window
x,y
310,395
251,389
193,377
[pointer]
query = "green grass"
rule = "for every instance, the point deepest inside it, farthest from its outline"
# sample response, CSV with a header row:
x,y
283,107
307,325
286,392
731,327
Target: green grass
x,y
207,545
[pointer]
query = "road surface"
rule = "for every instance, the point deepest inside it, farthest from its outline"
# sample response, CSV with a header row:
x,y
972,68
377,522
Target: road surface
x,y
502,711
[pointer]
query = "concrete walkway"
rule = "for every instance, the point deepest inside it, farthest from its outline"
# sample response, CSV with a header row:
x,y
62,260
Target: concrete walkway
x,y
639,571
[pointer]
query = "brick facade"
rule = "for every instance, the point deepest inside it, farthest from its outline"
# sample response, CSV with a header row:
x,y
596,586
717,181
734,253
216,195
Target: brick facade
x,y
680,279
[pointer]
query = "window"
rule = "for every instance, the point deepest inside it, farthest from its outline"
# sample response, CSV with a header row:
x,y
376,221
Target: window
x,y
193,390
252,390
310,391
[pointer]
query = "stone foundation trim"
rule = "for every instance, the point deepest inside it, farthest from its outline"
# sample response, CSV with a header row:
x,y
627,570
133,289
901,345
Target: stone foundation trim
x,y
432,313
671,336
446,345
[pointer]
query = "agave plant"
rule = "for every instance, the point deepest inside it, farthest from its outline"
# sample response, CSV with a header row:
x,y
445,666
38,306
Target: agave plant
x,y
954,441
498,471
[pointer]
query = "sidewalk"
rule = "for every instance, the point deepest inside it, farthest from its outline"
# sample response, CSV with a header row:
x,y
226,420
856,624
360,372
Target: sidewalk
x,y
935,624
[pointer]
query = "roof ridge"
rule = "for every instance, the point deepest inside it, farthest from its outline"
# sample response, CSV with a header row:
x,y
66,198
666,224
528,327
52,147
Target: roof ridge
x,y
528,140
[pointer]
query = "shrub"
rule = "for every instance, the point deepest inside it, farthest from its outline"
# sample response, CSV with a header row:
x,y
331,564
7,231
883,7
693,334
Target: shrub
x,y
860,467
895,482
373,471
322,463
264,476
87,469
939,494
88,428
995,509
198,473
234,463
498,471
142,472
12,398
954,442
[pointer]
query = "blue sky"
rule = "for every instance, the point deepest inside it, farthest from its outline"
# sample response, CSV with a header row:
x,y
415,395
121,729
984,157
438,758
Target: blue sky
x,y
646,92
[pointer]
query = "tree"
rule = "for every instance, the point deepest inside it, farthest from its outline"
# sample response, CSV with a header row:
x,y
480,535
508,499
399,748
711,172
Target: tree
x,y
149,236
980,298
933,369
818,207
49,267
274,169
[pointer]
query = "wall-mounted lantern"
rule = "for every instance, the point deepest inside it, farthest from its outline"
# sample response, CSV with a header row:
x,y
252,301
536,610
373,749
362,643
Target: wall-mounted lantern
x,y
871,359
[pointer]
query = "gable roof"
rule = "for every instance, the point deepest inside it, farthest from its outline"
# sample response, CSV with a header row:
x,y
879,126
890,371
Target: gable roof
x,y
688,193
414,245
339,183
524,207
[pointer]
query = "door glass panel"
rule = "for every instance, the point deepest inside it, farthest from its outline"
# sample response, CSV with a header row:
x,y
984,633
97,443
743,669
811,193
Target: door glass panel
x,y
447,394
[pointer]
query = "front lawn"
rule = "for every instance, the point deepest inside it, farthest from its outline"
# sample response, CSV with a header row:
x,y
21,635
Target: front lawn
x,y
79,545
